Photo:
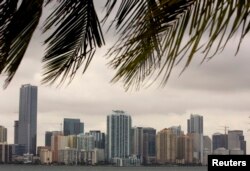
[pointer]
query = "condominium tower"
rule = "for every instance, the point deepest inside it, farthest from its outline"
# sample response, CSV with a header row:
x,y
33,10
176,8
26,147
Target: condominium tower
x,y
118,135
166,146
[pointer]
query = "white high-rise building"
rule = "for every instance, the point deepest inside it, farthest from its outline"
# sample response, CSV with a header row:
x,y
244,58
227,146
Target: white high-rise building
x,y
118,135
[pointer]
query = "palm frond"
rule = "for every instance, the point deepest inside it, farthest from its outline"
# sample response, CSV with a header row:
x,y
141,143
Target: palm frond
x,y
7,10
155,35
17,27
74,40
139,56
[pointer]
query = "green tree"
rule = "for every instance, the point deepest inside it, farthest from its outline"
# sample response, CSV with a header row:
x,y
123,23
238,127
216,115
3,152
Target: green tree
x,y
154,35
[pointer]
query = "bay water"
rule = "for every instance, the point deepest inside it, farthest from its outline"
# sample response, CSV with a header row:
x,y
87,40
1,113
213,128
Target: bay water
x,y
97,168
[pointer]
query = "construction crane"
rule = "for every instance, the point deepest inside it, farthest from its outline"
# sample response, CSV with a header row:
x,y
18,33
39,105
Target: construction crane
x,y
225,129
61,127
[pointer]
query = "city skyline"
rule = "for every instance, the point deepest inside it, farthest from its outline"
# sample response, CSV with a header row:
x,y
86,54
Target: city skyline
x,y
124,142
195,119
141,125
218,90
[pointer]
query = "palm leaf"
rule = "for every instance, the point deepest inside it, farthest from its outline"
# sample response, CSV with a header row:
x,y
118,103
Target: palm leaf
x,y
177,31
74,40
155,35
17,27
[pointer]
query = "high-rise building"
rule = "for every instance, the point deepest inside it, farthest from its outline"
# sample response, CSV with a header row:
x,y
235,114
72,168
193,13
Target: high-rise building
x,y
27,125
195,124
16,123
48,135
99,138
85,142
143,144
177,130
166,146
137,142
57,143
71,141
5,153
72,126
118,135
220,141
207,148
3,134
149,145
236,141
185,149
195,130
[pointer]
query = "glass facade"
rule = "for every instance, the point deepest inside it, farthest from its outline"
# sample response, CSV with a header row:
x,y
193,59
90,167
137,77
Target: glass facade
x,y
72,126
195,124
195,130
27,125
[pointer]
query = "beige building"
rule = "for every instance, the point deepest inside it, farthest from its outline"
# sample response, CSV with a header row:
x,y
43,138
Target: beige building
x,y
57,143
184,150
3,134
71,141
45,156
166,146
5,153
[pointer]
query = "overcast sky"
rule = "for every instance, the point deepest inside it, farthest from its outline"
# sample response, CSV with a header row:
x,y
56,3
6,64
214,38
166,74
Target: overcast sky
x,y
219,90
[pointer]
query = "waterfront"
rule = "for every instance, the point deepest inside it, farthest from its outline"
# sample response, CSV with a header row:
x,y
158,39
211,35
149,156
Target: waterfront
x,y
95,168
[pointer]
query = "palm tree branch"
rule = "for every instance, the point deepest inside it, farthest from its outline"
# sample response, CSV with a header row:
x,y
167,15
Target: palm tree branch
x,y
74,40
16,32
180,28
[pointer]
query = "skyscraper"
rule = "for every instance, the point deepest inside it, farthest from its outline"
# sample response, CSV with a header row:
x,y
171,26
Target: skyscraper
x,y
149,145
48,135
236,141
27,125
85,142
220,141
3,134
137,142
16,123
72,126
195,130
195,124
185,149
99,138
166,146
118,135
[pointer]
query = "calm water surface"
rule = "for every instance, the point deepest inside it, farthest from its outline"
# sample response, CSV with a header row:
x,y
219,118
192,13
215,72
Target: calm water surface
x,y
95,168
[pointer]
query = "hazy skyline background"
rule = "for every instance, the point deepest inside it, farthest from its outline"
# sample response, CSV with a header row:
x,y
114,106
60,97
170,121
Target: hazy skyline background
x,y
219,90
